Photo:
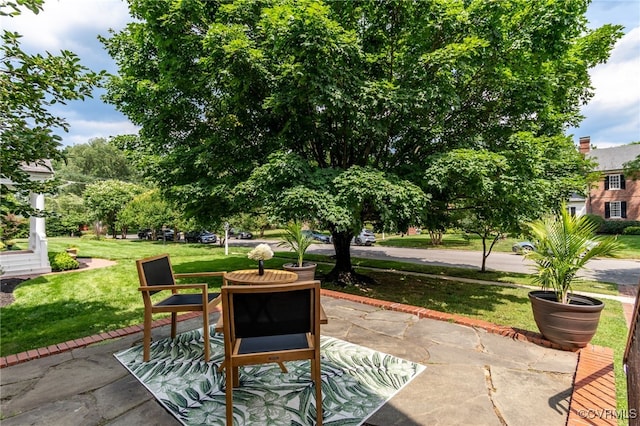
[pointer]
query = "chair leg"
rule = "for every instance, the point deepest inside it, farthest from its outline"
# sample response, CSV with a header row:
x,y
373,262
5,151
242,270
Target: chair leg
x,y
174,327
315,368
146,340
235,373
205,330
229,395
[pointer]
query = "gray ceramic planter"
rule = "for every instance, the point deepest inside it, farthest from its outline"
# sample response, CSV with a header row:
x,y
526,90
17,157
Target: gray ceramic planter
x,y
305,273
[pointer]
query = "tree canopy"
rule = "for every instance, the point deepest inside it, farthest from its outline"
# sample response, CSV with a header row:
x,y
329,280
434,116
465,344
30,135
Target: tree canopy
x,y
29,84
335,109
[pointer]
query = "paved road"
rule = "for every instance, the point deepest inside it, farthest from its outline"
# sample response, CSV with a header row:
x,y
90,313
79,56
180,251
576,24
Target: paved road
x,y
608,270
617,271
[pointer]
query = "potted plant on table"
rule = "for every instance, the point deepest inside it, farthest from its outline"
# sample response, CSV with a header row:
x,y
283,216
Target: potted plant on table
x,y
298,242
565,245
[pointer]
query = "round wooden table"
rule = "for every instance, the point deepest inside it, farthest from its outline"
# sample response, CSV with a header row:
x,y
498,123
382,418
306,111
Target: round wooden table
x,y
251,277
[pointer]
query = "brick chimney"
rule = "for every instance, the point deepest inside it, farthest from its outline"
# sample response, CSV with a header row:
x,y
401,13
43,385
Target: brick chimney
x,y
585,144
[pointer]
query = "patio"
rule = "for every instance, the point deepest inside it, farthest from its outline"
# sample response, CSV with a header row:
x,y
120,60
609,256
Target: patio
x,y
477,373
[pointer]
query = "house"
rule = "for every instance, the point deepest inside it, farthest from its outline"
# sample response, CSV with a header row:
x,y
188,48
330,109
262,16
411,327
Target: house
x,y
34,260
615,196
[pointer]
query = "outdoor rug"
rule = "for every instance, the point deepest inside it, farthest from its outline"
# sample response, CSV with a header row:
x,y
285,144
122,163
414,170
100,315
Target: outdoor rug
x,y
356,381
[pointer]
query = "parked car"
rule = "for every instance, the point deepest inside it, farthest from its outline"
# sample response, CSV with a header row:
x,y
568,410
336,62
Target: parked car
x,y
240,234
204,237
147,234
364,238
166,235
317,236
523,247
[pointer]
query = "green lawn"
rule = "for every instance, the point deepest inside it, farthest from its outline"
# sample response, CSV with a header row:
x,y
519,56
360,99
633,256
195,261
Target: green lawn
x,y
60,307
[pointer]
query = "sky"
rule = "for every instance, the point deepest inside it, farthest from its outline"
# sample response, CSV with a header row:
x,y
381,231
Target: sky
x,y
612,115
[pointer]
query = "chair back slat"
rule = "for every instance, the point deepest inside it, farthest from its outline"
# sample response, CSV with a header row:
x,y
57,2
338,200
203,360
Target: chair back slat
x,y
272,314
156,271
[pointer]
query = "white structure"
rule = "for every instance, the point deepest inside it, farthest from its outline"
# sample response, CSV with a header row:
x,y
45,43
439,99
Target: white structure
x,y
35,260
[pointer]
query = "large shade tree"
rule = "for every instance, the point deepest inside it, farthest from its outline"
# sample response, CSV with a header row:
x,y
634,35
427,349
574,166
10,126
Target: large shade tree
x,y
333,110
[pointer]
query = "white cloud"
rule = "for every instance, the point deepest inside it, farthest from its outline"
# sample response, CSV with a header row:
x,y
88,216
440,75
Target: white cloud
x,y
81,131
613,114
616,82
55,26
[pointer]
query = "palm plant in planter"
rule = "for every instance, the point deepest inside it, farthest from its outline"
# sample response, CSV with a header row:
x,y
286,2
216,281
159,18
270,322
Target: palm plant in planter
x,y
565,245
296,241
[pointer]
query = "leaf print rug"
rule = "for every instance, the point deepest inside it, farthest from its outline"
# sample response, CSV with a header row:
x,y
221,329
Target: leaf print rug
x,y
356,381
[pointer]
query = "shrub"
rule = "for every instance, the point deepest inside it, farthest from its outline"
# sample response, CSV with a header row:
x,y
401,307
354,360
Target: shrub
x,y
631,230
617,226
62,262
599,220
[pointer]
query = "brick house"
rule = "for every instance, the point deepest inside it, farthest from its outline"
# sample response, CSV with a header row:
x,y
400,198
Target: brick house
x,y
615,196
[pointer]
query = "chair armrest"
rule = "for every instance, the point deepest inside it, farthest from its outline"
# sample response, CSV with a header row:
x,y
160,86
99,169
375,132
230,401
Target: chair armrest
x,y
200,274
202,287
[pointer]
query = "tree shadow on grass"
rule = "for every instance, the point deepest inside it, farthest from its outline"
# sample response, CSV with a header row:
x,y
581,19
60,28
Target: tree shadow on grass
x,y
440,295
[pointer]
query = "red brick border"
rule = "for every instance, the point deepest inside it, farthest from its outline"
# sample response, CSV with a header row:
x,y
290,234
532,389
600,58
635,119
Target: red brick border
x,y
593,401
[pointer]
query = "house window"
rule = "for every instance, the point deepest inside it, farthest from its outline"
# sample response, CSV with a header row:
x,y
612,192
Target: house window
x,y
614,182
572,211
615,210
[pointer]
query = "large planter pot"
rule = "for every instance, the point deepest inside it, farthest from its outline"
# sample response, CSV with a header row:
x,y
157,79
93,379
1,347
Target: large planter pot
x,y
572,325
306,272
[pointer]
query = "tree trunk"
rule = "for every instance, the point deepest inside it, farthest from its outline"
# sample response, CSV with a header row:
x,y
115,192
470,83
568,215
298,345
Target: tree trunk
x,y
342,245
343,273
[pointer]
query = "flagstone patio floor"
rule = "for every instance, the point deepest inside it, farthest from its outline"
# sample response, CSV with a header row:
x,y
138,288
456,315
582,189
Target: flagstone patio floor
x,y
477,373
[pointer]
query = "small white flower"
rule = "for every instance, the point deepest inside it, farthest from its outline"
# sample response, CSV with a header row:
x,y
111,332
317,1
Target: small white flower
x,y
261,252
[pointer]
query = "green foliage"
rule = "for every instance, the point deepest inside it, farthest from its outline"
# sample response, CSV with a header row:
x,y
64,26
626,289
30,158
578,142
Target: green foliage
x,y
12,226
68,215
106,199
87,163
563,248
29,86
296,241
616,227
148,210
491,194
597,219
62,261
631,230
351,99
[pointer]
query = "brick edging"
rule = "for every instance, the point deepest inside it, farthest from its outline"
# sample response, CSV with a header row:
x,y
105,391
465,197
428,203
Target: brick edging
x,y
593,400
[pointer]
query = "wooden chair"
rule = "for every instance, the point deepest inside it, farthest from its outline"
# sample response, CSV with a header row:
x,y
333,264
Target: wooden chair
x,y
156,274
271,323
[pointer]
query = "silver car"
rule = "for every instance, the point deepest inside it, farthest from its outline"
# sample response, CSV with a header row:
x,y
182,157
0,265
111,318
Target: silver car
x,y
364,238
